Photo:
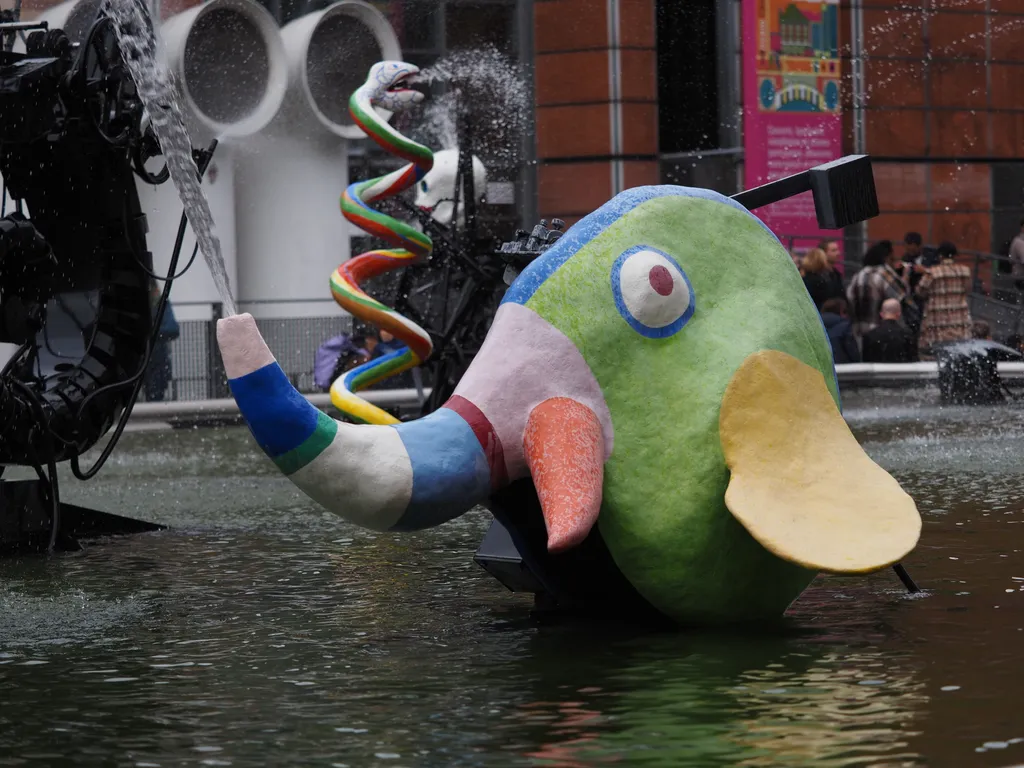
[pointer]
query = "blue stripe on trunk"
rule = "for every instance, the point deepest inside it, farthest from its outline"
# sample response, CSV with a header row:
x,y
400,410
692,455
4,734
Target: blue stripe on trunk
x,y
278,416
450,473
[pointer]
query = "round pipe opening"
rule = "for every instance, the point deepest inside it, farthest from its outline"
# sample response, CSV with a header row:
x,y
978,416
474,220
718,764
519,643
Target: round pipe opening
x,y
341,51
348,39
226,65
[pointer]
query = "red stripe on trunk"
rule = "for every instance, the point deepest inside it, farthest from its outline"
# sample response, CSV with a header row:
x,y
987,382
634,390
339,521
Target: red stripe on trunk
x,y
486,436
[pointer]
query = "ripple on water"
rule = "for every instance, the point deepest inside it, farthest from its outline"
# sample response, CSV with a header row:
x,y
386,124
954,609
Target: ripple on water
x,y
280,635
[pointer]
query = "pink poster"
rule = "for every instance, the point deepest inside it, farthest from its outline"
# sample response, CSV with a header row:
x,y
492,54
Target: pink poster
x,y
791,80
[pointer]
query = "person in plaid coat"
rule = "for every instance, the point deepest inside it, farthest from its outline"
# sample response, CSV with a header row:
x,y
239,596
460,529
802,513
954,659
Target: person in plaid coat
x,y
946,316
872,285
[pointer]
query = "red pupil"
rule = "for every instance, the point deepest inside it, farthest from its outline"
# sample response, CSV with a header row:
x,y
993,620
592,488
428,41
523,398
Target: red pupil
x,y
661,280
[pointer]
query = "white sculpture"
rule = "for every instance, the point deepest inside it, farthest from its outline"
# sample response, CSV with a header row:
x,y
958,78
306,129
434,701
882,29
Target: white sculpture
x,y
436,191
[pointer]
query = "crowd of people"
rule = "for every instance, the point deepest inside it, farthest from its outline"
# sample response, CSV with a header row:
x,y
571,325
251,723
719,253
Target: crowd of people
x,y
897,305
341,354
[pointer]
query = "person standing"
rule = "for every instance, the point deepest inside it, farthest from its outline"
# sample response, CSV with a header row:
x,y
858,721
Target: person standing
x,y
900,277
913,256
947,316
890,342
912,243
820,279
870,287
831,249
835,317
159,371
1017,258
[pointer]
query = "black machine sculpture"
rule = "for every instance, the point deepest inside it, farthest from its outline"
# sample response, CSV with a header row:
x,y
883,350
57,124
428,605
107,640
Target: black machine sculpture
x,y
72,138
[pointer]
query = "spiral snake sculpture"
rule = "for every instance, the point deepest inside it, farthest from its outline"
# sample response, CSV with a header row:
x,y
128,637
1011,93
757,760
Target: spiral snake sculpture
x,y
383,88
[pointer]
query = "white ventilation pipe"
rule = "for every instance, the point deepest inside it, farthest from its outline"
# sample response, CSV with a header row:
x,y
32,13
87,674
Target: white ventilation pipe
x,y
229,59
291,234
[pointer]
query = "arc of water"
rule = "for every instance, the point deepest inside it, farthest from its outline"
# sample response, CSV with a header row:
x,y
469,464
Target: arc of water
x,y
159,92
410,244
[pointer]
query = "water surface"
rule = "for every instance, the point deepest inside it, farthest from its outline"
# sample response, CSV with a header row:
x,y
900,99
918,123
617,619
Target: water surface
x,y
258,630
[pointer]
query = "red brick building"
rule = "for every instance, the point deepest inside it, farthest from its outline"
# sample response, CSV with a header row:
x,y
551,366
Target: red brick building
x,y
631,92
596,88
943,116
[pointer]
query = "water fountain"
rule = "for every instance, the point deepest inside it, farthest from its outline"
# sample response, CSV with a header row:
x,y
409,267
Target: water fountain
x,y
262,630
158,89
533,449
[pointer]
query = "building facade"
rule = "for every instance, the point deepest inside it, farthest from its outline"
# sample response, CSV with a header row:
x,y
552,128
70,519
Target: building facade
x,y
937,98
631,92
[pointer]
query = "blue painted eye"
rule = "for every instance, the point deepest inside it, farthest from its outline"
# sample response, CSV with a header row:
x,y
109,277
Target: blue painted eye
x,y
652,293
423,187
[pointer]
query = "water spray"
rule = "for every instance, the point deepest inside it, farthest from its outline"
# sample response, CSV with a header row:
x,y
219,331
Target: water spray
x,y
158,90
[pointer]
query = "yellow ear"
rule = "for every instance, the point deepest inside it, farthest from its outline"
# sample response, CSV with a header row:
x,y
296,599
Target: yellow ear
x,y
801,484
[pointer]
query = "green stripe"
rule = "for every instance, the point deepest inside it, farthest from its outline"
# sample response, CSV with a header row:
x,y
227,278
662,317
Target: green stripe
x,y
312,446
356,298
407,233
371,123
378,373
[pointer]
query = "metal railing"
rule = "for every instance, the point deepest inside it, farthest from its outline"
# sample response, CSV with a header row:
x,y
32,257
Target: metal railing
x,y
295,329
861,374
197,371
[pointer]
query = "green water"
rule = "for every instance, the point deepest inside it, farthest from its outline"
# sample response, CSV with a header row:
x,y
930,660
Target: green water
x,y
259,631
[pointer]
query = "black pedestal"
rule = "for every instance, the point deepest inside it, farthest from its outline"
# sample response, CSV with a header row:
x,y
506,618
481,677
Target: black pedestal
x,y
26,521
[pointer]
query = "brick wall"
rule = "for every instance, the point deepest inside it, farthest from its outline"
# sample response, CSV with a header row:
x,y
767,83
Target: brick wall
x,y
944,117
596,94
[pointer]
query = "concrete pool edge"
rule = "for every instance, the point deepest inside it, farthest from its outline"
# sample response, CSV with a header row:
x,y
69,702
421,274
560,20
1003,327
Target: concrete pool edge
x,y
163,415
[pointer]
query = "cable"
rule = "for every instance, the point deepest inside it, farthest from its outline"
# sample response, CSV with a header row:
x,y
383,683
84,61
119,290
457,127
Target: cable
x,y
138,378
164,278
51,466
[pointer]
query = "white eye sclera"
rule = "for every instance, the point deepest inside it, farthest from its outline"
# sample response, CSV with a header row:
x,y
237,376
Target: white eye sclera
x,y
652,293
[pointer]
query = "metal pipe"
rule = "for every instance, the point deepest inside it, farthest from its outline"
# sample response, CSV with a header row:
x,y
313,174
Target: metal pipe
x,y
849,373
184,409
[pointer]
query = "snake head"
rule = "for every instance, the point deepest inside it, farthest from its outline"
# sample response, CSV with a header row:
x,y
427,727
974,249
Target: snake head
x,y
387,85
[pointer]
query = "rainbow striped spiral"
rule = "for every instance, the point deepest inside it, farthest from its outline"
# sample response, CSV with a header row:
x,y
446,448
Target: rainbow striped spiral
x,y
410,245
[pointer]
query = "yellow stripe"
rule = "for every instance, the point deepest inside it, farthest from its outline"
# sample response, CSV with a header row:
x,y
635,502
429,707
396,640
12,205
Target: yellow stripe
x,y
358,408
